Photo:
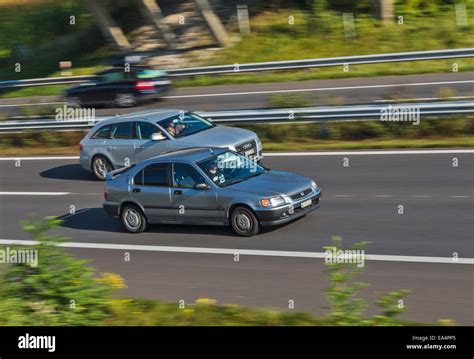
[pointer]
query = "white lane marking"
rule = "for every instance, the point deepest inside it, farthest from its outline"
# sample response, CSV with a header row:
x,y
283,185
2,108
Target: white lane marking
x,y
34,193
33,104
460,196
426,99
73,214
420,196
36,158
382,195
46,193
320,89
281,154
249,252
370,152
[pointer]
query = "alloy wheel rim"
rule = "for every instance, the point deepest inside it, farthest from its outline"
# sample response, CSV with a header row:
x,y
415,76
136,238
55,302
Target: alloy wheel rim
x,y
100,167
125,99
243,221
132,219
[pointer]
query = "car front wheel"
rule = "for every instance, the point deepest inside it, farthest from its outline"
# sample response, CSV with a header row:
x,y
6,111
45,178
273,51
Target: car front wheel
x,y
244,222
133,219
101,166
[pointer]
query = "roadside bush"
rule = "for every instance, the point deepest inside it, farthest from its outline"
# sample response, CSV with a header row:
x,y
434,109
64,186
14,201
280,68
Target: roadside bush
x,y
61,290
346,308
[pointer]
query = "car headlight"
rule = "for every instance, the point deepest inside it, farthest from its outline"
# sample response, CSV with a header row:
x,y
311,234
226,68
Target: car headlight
x,y
314,185
272,202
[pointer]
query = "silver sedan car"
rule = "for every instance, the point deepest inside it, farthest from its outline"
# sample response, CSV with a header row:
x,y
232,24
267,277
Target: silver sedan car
x,y
126,140
212,186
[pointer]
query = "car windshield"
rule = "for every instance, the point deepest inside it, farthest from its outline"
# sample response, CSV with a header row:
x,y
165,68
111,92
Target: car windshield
x,y
229,168
185,124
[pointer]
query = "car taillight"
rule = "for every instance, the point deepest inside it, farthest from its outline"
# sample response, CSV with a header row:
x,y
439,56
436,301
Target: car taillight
x,y
144,85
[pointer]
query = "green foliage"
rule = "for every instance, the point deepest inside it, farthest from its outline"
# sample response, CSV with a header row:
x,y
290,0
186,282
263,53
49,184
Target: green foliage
x,y
289,100
346,308
391,306
203,312
61,290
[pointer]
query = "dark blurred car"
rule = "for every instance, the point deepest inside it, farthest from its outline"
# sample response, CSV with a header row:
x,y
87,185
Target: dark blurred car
x,y
120,88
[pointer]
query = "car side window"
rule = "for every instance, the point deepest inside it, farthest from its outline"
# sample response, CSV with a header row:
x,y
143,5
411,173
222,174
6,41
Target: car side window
x,y
103,132
186,176
138,179
145,130
113,76
156,175
123,130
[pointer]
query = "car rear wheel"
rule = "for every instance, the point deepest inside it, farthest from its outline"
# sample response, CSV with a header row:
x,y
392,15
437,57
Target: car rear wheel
x,y
133,219
101,166
74,102
125,99
244,222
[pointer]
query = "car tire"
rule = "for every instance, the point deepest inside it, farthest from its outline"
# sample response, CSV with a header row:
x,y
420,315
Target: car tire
x,y
244,222
125,100
101,166
133,219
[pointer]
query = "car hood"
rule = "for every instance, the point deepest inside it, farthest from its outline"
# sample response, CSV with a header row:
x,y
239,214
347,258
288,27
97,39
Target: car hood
x,y
218,136
273,183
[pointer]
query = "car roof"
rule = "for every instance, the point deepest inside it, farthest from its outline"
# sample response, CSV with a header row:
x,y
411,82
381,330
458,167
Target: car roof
x,y
147,116
191,154
120,68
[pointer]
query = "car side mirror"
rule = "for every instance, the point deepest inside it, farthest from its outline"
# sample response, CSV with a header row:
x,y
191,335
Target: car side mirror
x,y
157,136
202,186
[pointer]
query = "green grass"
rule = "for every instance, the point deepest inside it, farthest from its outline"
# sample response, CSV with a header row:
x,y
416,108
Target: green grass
x,y
434,142
272,39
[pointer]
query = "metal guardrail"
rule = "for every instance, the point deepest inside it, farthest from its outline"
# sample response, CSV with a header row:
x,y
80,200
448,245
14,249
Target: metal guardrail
x,y
269,66
308,114
334,61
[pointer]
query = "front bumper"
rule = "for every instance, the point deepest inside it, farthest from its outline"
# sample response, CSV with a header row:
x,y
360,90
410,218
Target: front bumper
x,y
281,215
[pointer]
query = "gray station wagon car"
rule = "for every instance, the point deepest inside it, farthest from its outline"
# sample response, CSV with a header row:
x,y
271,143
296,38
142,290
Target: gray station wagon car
x,y
126,140
212,186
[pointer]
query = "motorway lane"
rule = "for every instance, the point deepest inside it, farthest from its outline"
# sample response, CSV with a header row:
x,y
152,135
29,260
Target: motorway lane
x,y
438,291
254,96
360,203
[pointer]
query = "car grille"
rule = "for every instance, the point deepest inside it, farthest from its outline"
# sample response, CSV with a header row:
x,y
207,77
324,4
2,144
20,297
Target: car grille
x,y
301,194
248,149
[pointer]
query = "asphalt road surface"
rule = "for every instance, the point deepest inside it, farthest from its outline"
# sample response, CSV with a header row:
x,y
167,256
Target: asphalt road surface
x,y
255,96
416,250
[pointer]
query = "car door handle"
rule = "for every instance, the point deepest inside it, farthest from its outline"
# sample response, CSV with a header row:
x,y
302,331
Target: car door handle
x,y
136,190
178,191
111,148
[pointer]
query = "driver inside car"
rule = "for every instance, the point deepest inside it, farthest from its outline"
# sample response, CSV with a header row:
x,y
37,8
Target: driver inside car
x,y
216,175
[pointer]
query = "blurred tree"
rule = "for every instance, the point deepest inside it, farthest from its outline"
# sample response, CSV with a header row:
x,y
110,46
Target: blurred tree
x,y
61,290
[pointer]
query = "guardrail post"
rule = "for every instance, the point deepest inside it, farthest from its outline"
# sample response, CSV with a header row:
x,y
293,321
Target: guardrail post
x,y
107,26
